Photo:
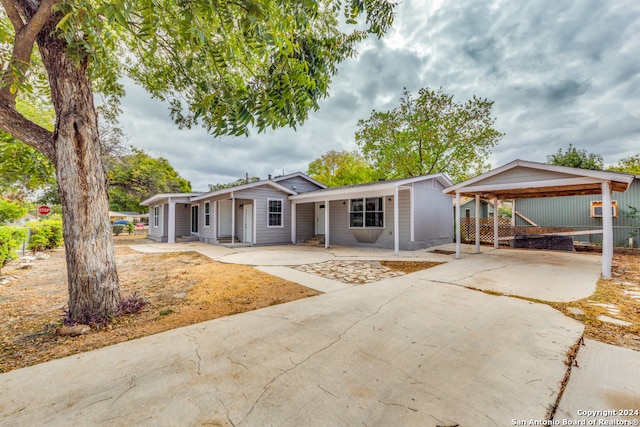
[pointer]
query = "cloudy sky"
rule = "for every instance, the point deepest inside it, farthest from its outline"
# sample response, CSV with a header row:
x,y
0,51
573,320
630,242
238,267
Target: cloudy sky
x,y
559,71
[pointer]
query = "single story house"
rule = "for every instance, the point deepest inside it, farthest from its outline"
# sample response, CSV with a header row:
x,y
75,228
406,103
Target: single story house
x,y
403,214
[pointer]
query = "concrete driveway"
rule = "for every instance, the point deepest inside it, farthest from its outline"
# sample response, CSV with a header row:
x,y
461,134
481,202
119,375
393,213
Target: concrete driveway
x,y
412,350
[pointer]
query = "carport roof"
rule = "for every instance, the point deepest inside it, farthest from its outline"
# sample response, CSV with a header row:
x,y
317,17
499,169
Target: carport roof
x,y
522,179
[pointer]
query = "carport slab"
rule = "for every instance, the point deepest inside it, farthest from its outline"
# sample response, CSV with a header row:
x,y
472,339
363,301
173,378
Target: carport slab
x,y
607,378
544,275
397,352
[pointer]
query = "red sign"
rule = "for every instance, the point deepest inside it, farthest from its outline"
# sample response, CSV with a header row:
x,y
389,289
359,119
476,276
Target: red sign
x,y
44,210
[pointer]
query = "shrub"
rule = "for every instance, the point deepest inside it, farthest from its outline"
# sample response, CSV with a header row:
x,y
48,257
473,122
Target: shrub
x,y
130,227
10,240
45,234
118,229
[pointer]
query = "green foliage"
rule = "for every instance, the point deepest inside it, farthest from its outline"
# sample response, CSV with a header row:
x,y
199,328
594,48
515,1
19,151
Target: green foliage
x,y
10,240
45,234
575,158
130,227
118,229
238,182
629,164
430,134
504,212
137,176
11,211
338,168
229,65
24,169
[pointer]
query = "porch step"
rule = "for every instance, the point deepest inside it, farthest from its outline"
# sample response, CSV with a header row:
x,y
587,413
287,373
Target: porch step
x,y
315,241
223,240
183,239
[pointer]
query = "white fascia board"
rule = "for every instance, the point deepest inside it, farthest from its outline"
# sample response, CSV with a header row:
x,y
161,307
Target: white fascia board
x,y
380,189
244,187
158,198
600,175
531,184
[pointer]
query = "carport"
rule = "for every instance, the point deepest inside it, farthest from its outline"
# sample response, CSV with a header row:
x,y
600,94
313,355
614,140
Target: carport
x,y
523,179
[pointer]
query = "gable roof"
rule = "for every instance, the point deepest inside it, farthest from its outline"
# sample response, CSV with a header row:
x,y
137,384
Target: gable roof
x,y
243,187
298,175
524,179
368,189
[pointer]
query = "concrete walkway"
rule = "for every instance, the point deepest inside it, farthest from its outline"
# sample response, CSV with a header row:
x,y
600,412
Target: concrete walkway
x,y
415,350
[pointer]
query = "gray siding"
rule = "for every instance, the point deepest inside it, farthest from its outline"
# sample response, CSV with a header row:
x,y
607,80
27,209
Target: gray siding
x,y
183,218
433,221
471,205
301,185
156,233
305,221
523,174
267,235
574,212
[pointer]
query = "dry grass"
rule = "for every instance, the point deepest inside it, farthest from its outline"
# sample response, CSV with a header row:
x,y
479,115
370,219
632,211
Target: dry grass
x,y
408,267
181,288
626,274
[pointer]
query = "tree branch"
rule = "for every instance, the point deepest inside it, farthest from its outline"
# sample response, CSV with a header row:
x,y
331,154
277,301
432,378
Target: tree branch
x,y
23,42
16,125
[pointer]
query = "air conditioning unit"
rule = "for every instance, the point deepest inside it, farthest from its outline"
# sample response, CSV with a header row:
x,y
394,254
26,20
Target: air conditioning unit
x,y
596,209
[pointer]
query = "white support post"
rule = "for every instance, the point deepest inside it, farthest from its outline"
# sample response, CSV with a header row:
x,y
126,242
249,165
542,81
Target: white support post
x,y
396,222
293,223
233,219
326,224
254,222
171,223
477,223
607,231
495,223
215,221
457,211
412,211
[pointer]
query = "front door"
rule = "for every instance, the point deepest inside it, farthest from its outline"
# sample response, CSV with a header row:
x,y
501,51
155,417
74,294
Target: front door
x,y
194,219
320,219
224,217
248,224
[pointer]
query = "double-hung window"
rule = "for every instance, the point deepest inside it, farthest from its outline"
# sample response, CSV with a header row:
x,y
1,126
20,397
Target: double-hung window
x,y
207,214
156,216
366,213
275,212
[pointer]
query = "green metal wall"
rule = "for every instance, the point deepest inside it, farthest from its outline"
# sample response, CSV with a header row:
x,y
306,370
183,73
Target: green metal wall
x,y
574,212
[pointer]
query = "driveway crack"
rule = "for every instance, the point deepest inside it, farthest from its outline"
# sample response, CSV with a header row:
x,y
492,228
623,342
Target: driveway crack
x,y
315,353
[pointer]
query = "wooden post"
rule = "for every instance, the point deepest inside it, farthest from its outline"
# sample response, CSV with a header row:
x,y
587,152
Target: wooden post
x,y
607,231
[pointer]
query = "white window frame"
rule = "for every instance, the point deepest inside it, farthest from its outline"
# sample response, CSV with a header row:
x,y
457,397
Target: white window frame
x,y
207,214
364,213
281,213
156,216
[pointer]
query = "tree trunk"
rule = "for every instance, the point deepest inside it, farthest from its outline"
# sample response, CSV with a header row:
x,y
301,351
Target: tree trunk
x,y
92,278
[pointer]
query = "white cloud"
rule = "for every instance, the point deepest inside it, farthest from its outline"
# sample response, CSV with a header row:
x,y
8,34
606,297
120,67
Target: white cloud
x,y
560,72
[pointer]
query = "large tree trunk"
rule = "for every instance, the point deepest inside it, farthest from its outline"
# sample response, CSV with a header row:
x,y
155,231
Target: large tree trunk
x,y
92,278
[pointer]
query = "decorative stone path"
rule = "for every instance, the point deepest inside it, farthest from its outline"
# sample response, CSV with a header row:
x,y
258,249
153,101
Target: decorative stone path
x,y
352,272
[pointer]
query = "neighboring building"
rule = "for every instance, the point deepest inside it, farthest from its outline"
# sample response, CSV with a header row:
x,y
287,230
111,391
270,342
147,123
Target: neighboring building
x,y
584,213
406,214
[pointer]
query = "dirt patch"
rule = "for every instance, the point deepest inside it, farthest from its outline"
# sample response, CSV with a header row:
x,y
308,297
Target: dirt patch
x,y
618,298
181,288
